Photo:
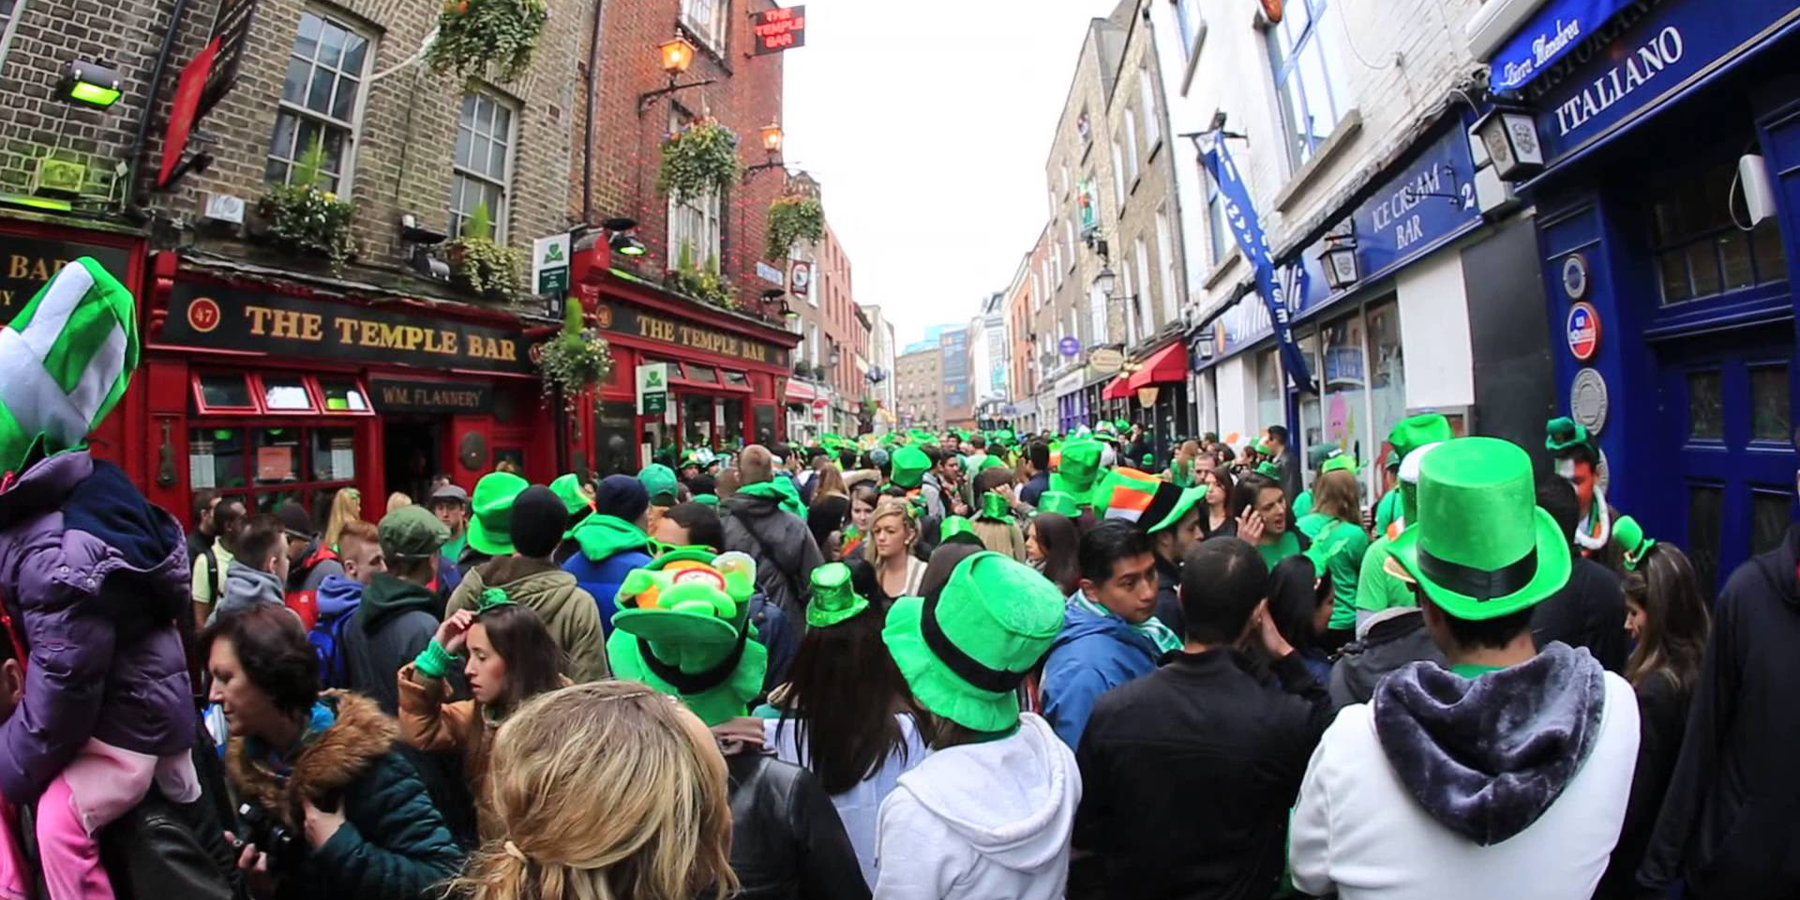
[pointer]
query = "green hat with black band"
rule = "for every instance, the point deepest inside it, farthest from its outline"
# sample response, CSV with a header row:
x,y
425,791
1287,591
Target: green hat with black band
x,y
490,528
1481,547
965,652
683,628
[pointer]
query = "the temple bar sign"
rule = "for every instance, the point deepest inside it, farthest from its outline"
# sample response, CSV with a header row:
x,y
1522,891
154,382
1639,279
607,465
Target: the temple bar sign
x,y
621,319
779,29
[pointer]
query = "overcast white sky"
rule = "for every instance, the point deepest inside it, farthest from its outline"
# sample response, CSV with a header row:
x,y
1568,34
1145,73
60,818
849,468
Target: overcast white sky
x,y
927,126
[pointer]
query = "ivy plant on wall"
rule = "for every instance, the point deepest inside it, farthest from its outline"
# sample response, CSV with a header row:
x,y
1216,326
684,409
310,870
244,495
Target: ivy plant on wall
x,y
791,219
474,34
697,160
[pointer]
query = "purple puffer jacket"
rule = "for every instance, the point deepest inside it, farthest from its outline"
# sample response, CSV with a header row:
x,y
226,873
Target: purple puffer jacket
x,y
93,576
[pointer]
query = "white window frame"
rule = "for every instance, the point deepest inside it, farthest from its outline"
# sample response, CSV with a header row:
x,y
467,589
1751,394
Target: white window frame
x,y
701,220
1147,95
1288,62
708,20
345,178
502,215
1130,310
1131,145
1146,308
1056,261
1219,241
1165,250
1069,241
1118,167
1190,24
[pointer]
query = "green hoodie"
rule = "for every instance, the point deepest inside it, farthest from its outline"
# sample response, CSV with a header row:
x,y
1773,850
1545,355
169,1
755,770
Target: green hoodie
x,y
781,490
601,536
389,596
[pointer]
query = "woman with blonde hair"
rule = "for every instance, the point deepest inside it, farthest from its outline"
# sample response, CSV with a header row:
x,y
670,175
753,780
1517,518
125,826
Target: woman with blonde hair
x,y
398,500
660,831
889,547
346,507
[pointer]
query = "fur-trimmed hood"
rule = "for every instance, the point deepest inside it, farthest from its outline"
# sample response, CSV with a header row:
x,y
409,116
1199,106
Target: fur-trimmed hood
x,y
361,736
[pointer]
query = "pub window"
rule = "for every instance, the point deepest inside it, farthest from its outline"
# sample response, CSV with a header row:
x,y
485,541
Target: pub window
x,y
268,466
707,374
694,225
285,394
222,392
235,393
321,100
1700,248
343,396
482,167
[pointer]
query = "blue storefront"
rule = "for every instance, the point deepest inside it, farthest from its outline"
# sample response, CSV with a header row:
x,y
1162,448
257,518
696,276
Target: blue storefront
x,y
1663,127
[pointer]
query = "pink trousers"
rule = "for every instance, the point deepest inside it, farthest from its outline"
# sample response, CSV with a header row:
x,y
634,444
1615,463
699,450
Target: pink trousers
x,y
98,786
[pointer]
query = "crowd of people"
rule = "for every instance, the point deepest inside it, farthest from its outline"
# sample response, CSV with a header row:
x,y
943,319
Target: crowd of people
x,y
953,665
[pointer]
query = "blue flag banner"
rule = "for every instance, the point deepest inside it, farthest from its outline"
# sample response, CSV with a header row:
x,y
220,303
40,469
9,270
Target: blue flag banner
x,y
1250,238
1559,27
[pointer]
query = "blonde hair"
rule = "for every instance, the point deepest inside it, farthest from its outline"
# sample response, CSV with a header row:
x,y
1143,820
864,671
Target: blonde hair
x,y
346,507
658,829
398,500
1001,537
885,507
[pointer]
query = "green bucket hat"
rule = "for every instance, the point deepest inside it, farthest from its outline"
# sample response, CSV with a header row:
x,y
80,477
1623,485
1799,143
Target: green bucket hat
x,y
909,467
659,481
1060,503
1481,547
958,528
833,600
490,529
965,652
1629,535
69,355
1079,471
1187,501
1414,432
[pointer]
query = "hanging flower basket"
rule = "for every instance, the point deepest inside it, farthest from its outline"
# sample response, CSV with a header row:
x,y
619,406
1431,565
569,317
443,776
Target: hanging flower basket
x,y
474,34
791,219
697,160
302,218
575,359
703,284
482,266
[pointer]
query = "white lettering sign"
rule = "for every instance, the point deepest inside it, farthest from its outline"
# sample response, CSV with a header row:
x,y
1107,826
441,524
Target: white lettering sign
x,y
1621,80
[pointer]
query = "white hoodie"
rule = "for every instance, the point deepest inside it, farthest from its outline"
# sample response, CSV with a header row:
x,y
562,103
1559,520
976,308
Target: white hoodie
x,y
990,821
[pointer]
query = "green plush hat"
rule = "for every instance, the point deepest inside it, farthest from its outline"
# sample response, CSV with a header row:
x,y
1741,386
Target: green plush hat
x,y
659,481
683,628
1079,470
1059,502
909,467
567,488
1565,435
1629,535
833,600
68,357
965,652
1414,432
490,529
994,508
1481,547
1343,462
958,528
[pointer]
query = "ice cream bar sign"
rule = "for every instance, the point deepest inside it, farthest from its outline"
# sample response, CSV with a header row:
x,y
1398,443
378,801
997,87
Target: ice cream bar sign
x,y
779,29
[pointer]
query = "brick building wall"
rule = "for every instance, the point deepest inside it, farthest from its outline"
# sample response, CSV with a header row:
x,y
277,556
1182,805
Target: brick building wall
x,y
919,387
837,317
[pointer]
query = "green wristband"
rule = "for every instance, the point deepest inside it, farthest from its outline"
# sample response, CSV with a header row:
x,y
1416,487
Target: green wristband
x,y
434,661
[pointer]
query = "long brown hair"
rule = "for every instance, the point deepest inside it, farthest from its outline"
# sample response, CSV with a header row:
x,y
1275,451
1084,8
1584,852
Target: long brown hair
x,y
831,482
1335,494
1060,539
842,692
1676,622
534,662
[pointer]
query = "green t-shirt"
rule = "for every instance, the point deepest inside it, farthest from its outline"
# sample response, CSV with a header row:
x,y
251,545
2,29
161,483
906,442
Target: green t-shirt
x,y
1473,671
1285,546
1376,590
1345,544
1387,510
1303,504
453,550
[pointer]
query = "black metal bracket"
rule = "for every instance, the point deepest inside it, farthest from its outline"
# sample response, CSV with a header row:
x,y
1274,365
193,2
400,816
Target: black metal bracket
x,y
752,171
1453,198
649,97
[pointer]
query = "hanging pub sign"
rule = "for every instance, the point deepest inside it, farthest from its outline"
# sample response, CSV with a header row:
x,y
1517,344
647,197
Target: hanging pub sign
x,y
779,29
210,317
617,318
26,263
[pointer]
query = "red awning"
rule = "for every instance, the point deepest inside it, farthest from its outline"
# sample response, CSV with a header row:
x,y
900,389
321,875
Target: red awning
x,y
1116,389
1165,365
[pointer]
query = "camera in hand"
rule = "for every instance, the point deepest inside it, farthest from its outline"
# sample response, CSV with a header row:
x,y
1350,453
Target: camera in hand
x,y
282,845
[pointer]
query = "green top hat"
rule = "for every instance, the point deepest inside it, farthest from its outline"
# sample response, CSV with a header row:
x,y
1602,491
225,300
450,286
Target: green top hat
x,y
958,528
490,531
965,652
1059,502
994,508
1079,470
659,481
909,467
1629,535
1565,435
1414,432
1343,462
833,600
1481,547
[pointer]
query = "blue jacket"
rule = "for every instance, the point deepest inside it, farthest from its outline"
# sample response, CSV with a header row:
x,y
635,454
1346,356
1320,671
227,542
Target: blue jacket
x,y
1092,655
610,549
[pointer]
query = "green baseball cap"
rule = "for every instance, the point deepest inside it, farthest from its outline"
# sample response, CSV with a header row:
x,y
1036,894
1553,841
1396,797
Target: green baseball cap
x,y
412,532
1481,548
965,652
490,530
659,480
833,599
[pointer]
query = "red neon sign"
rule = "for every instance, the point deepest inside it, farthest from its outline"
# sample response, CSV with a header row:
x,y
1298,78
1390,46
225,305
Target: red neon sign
x,y
779,29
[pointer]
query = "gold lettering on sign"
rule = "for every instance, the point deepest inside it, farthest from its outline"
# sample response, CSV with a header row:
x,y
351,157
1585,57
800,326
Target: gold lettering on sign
x,y
704,339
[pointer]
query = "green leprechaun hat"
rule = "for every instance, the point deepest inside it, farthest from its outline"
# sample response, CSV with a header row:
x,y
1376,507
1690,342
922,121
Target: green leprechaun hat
x,y
683,628
994,508
964,652
958,529
833,599
66,358
1481,547
1078,471
1629,535
909,467
490,529
1058,502
1414,432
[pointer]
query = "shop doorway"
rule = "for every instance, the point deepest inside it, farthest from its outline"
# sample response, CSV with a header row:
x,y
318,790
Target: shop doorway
x,y
412,455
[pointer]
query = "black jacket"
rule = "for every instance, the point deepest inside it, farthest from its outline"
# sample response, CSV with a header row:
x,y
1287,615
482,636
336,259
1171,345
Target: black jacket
x,y
1168,597
1588,612
1728,820
1662,715
1388,645
787,842
392,624
781,544
1188,774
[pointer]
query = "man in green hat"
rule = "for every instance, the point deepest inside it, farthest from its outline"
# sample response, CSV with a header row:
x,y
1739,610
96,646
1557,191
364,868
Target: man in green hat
x,y
1506,774
1376,588
399,610
990,812
1079,471
659,482
1407,435
1577,459
612,542
490,528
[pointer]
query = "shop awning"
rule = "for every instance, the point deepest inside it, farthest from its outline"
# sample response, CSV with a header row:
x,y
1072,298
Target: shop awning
x,y
1557,28
799,390
1117,389
1165,365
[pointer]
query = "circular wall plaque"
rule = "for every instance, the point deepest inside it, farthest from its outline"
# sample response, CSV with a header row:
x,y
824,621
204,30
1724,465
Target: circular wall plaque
x,y
1587,400
1582,329
1575,276
472,451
